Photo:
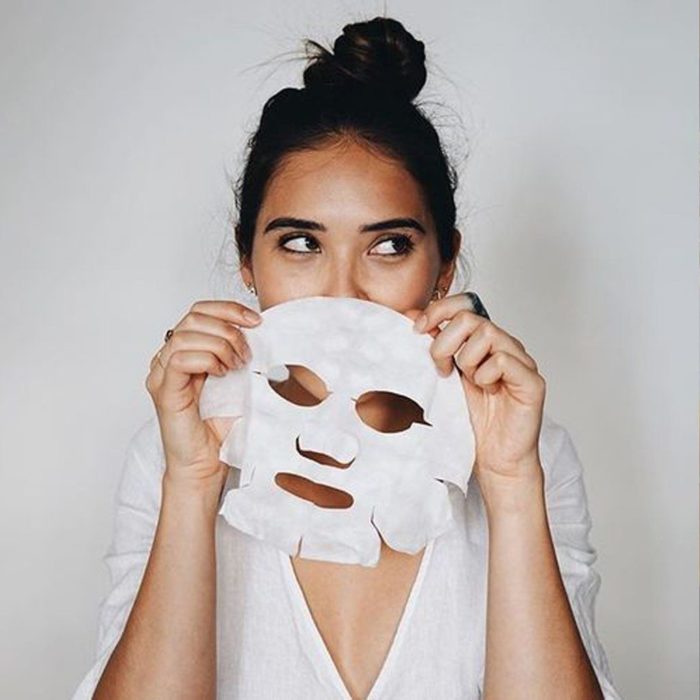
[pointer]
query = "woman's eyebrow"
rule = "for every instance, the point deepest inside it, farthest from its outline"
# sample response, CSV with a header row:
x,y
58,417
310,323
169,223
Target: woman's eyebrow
x,y
306,224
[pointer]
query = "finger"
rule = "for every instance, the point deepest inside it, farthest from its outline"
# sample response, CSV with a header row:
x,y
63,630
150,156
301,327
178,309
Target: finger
x,y
221,348
228,311
413,314
452,336
212,325
487,339
156,360
183,364
522,381
221,425
443,309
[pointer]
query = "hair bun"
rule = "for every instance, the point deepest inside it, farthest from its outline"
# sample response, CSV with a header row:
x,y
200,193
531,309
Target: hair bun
x,y
379,55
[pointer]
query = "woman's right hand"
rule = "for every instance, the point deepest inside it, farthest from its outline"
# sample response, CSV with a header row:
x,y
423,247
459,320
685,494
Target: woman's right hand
x,y
206,341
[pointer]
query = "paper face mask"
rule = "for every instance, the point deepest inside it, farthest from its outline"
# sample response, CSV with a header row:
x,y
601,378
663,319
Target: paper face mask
x,y
343,431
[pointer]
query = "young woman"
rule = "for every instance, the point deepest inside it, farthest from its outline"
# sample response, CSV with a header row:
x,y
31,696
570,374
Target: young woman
x,y
347,192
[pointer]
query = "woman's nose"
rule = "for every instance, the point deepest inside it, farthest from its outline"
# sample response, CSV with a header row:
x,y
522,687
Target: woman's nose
x,y
347,293
343,280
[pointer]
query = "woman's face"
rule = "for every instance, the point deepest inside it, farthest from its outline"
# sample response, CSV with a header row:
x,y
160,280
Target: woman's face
x,y
343,221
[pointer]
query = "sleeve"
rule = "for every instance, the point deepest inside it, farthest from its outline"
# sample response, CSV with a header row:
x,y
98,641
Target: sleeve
x,y
570,525
137,508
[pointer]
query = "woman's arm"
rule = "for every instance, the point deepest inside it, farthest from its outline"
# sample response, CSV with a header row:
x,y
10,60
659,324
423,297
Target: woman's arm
x,y
541,639
540,636
168,647
533,648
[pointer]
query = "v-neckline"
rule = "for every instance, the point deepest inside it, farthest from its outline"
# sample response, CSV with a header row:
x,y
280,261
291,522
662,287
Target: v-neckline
x,y
303,612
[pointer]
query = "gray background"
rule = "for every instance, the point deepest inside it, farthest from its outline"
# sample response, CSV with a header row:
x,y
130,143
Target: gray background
x,y
120,124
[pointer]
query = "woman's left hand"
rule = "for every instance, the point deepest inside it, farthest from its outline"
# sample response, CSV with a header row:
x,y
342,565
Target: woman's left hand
x,y
504,390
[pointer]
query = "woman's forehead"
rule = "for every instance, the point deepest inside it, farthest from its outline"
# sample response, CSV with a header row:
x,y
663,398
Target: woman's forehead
x,y
342,180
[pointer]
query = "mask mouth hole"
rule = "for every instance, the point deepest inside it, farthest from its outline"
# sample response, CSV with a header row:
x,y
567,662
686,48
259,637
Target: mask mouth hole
x,y
319,494
389,412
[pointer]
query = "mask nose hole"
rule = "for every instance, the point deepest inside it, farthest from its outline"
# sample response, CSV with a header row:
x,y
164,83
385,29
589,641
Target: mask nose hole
x,y
321,457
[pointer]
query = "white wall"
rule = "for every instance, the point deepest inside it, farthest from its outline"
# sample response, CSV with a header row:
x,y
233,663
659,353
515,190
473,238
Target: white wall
x,y
119,122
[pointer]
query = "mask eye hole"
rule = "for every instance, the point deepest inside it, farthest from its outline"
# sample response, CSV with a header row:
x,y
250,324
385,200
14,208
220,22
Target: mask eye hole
x,y
388,412
297,384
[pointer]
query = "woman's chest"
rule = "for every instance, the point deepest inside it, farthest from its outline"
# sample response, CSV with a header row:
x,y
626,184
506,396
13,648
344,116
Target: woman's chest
x,y
357,610
299,628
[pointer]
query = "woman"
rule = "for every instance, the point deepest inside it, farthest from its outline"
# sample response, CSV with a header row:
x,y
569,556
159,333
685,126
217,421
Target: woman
x,y
347,192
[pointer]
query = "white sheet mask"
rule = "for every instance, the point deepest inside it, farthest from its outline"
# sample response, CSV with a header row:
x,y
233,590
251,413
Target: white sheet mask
x,y
341,393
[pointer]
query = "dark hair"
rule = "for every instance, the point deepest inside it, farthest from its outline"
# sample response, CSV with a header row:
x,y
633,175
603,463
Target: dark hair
x,y
363,90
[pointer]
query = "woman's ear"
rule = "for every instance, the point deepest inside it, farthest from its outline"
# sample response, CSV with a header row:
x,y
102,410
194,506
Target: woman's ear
x,y
448,268
246,272
456,243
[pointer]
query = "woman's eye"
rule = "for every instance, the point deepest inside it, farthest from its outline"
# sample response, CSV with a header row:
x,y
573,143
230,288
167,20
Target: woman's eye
x,y
394,246
299,248
404,244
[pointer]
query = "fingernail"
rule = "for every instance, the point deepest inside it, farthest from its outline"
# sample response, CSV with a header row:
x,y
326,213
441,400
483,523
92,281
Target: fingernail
x,y
251,316
420,323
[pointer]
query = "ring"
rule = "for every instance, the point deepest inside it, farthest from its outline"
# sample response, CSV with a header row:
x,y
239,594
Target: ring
x,y
168,335
477,306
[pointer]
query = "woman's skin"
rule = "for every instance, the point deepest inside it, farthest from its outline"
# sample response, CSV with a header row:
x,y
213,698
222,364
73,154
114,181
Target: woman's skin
x,y
168,648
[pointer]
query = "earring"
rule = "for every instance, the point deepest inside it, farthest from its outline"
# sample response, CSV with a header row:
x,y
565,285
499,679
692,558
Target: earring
x,y
251,289
438,293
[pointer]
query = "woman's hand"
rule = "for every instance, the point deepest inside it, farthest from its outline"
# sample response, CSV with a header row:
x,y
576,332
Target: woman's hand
x,y
206,341
504,390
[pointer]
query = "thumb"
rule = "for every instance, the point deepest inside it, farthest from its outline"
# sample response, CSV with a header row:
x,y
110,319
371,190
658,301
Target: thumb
x,y
413,314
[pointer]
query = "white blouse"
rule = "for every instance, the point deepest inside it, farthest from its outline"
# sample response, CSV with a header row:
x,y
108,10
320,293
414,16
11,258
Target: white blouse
x,y
268,645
